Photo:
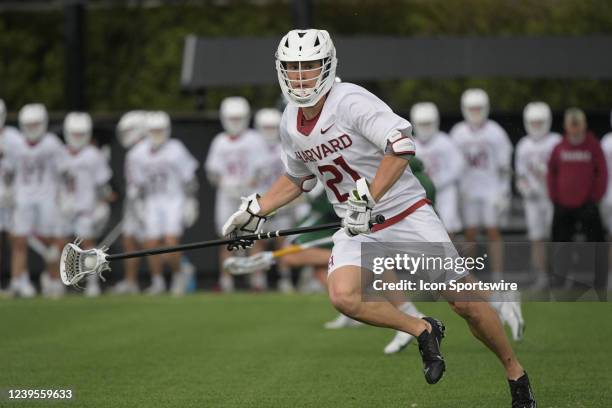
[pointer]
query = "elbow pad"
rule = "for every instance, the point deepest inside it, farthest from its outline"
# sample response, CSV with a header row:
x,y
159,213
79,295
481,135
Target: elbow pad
x,y
306,184
399,144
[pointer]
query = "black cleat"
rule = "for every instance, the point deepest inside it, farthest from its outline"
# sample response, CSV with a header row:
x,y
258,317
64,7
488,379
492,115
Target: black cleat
x,y
429,347
522,395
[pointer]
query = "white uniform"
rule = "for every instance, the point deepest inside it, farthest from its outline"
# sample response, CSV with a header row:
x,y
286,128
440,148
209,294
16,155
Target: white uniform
x,y
132,225
606,204
162,174
238,163
444,164
284,217
9,137
36,186
346,143
488,153
82,173
531,166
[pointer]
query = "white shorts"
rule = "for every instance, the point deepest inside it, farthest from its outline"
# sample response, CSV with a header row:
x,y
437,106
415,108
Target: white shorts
x,y
38,218
539,215
479,212
163,218
132,226
81,226
225,206
447,206
6,218
421,226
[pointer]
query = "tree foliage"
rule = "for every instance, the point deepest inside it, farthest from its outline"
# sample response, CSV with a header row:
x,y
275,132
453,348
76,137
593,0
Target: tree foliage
x,y
133,55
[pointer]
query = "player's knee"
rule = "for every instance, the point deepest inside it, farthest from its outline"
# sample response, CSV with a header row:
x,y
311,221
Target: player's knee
x,y
467,310
493,234
344,299
19,243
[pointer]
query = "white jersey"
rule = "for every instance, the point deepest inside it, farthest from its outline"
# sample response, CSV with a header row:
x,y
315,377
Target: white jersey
x,y
36,168
606,146
274,169
346,143
82,172
131,166
531,162
443,160
237,162
488,153
163,172
9,138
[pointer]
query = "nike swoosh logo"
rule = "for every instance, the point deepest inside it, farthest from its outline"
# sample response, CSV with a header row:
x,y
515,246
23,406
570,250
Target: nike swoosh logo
x,y
323,131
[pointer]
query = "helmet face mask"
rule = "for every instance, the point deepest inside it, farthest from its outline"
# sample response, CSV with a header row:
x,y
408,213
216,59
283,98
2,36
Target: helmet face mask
x,y
235,114
475,106
33,120
77,130
306,66
267,122
425,120
158,128
537,119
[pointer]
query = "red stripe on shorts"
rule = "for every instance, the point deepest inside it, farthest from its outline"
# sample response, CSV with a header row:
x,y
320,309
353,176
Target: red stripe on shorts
x,y
397,218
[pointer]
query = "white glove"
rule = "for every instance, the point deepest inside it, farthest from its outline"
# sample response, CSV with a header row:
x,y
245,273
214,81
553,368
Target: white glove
x,y
191,211
525,189
246,220
357,219
502,203
7,199
100,216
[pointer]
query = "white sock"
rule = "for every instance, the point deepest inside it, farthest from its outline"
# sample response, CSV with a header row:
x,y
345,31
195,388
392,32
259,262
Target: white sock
x,y
157,280
410,309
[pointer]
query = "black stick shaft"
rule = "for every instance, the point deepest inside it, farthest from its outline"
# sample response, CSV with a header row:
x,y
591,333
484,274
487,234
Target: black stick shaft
x,y
217,242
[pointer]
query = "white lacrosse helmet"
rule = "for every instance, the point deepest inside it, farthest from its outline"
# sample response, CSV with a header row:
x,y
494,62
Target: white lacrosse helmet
x,y
267,122
475,106
425,120
302,46
158,127
33,121
2,113
77,129
235,114
537,119
131,128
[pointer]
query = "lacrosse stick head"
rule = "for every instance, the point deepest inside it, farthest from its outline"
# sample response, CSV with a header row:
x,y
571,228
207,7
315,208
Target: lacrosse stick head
x,y
241,265
76,263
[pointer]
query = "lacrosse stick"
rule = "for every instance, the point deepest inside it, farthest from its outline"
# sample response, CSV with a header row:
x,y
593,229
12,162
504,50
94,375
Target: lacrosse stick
x,y
76,263
237,265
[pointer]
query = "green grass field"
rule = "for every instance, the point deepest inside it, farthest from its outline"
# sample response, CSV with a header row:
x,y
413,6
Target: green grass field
x,y
271,351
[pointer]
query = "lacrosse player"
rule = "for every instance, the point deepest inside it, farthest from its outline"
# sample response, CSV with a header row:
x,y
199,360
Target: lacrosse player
x,y
531,165
165,177
34,162
9,137
351,141
84,188
443,161
131,131
266,122
235,163
485,184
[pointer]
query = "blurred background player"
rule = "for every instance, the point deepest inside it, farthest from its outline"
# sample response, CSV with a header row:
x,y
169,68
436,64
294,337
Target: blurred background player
x,y
165,177
267,122
485,184
35,163
9,137
531,160
84,188
443,162
131,131
577,180
236,160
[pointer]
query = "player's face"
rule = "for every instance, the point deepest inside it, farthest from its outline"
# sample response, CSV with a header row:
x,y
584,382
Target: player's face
x,y
575,130
537,125
303,75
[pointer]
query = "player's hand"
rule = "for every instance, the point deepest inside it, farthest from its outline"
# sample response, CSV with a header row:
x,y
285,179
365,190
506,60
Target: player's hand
x,y
357,219
247,219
